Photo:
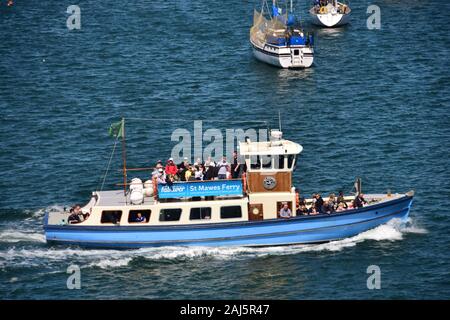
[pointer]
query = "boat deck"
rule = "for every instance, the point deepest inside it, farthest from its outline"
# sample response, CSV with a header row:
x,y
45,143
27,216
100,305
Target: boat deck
x,y
116,198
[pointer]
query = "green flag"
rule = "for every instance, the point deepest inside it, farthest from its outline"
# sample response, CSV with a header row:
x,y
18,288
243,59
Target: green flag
x,y
116,129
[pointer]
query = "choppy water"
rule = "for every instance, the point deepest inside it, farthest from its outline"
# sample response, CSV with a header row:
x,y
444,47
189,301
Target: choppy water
x,y
375,105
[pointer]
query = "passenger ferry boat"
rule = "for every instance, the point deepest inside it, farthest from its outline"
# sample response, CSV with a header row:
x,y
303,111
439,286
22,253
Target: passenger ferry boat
x,y
330,13
231,212
277,40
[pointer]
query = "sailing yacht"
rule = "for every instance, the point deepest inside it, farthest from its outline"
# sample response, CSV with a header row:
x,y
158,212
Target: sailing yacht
x,y
278,40
330,13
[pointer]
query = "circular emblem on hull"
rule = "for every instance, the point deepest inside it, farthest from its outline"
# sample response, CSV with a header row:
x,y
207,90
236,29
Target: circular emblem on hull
x,y
269,182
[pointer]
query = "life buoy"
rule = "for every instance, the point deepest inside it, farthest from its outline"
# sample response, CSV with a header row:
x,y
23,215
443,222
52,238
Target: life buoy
x,y
323,10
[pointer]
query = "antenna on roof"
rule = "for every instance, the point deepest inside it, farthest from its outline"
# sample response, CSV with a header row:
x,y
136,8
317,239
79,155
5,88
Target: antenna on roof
x,y
279,120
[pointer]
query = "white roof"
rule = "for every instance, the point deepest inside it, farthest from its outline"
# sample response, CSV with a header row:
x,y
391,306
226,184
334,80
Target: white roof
x,y
277,147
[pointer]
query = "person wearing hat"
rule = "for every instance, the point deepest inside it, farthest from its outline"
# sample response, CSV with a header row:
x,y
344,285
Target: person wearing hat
x,y
171,167
157,167
183,164
161,176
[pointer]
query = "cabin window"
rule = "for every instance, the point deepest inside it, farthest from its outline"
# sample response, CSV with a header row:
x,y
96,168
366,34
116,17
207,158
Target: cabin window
x,y
296,52
133,216
280,161
170,214
291,161
230,212
200,213
266,162
111,216
255,162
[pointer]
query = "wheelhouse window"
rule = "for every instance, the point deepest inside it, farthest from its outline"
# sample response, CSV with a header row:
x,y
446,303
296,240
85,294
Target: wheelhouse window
x,y
230,212
291,161
255,162
169,214
200,213
139,216
111,216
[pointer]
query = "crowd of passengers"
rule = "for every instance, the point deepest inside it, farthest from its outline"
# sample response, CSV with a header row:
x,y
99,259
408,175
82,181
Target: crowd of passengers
x,y
320,206
207,170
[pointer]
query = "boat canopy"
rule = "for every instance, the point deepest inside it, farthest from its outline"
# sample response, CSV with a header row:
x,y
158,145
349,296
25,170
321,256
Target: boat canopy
x,y
273,147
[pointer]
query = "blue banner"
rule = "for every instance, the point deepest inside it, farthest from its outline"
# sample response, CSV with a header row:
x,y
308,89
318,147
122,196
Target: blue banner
x,y
200,189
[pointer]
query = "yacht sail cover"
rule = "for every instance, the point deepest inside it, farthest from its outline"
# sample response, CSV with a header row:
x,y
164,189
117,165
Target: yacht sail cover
x,y
263,28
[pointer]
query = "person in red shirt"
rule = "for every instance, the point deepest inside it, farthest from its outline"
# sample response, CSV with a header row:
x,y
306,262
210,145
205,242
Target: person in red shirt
x,y
171,167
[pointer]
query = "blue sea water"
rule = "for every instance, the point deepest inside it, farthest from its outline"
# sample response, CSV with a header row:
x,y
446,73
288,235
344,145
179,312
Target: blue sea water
x,y
375,104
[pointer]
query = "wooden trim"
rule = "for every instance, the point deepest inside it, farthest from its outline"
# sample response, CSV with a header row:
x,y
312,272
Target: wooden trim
x,y
256,181
251,215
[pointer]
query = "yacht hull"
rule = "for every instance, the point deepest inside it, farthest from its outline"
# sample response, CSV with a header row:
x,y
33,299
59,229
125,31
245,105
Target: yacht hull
x,y
330,20
284,57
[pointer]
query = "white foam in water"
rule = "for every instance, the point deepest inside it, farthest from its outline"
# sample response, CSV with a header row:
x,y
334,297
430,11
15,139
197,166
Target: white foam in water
x,y
105,259
13,236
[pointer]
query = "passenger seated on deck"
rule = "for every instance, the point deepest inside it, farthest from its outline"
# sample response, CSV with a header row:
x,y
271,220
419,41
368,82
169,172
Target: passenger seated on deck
x,y
183,164
192,173
210,161
340,207
341,199
77,215
209,171
327,207
302,210
223,168
182,172
285,212
140,218
332,201
359,201
198,174
171,167
73,218
157,167
318,203
161,177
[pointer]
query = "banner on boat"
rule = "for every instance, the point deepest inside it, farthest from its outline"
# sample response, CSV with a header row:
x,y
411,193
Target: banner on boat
x,y
200,189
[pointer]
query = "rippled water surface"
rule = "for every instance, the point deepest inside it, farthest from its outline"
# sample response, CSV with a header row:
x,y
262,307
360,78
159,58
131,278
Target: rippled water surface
x,y
375,104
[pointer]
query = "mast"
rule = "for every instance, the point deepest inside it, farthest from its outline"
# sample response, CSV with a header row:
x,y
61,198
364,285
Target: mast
x,y
124,158
279,120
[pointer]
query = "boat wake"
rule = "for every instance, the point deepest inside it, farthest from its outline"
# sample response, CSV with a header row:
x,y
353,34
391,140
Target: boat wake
x,y
27,255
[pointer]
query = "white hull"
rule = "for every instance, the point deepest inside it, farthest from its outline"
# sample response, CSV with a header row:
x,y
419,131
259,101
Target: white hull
x,y
330,20
283,56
